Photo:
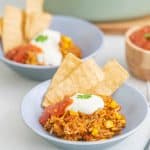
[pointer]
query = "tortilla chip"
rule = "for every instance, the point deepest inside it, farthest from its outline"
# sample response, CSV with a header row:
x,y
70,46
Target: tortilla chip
x,y
83,78
34,6
12,34
35,23
115,76
1,24
69,64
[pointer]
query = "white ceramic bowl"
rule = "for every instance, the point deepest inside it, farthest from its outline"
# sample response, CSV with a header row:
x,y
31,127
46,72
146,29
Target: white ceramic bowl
x,y
87,36
133,104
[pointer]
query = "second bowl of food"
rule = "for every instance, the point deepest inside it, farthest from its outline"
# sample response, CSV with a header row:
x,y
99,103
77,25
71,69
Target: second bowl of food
x,y
38,49
86,107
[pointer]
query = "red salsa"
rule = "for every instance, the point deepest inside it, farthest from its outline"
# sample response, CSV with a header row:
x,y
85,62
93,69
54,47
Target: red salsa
x,y
24,54
57,109
141,38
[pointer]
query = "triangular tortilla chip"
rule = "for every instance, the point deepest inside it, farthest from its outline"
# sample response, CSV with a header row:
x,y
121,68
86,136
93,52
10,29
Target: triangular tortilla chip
x,y
12,34
34,6
35,23
69,64
115,76
84,77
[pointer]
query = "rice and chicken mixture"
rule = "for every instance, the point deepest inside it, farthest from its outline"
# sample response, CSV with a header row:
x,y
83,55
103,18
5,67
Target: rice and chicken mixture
x,y
76,126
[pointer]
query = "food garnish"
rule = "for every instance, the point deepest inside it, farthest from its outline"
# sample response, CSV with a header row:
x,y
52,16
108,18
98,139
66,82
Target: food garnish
x,y
86,105
41,38
84,96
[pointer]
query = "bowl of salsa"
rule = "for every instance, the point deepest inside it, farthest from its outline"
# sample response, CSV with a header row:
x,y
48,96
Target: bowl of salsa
x,y
138,51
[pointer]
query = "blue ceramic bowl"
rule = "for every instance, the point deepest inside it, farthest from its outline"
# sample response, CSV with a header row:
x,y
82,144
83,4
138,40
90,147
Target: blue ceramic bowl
x,y
133,104
87,36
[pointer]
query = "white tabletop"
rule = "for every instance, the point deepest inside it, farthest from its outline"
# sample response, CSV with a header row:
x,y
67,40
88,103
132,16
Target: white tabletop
x,y
13,132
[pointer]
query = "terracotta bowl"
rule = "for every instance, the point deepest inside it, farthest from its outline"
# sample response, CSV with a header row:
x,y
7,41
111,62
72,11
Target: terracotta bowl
x,y
138,59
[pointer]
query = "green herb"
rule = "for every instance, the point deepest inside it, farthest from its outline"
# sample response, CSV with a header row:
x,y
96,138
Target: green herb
x,y
84,96
147,36
41,38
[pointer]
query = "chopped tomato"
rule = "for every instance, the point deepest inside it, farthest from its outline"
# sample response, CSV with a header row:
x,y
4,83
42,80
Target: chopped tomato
x,y
20,54
57,109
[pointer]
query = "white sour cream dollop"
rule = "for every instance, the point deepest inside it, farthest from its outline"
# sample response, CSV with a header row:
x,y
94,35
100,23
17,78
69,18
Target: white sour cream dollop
x,y
86,103
48,41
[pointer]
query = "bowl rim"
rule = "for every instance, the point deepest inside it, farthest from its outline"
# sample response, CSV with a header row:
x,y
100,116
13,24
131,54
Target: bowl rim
x,y
84,143
101,34
127,36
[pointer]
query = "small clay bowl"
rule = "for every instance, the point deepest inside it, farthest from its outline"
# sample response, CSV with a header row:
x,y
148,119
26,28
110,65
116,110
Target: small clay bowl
x,y
138,59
